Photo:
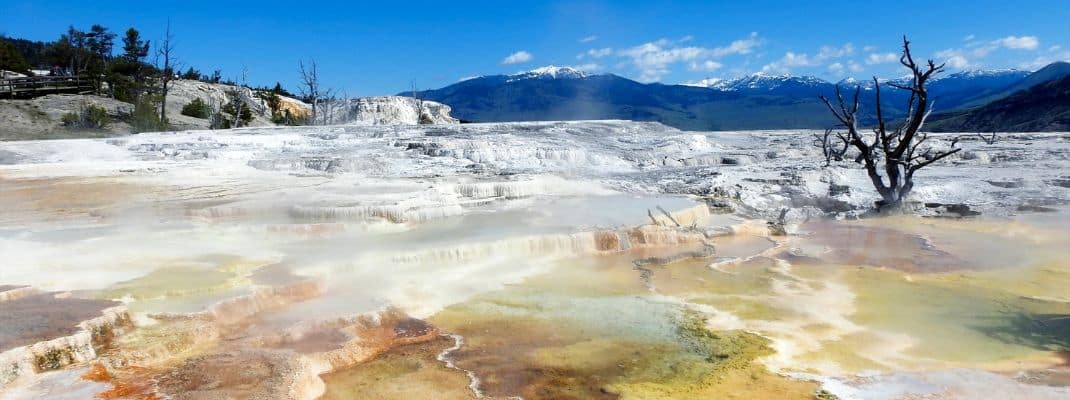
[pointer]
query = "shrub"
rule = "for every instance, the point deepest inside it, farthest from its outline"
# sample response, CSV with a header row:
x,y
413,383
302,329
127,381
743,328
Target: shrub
x,y
230,109
145,117
197,109
89,116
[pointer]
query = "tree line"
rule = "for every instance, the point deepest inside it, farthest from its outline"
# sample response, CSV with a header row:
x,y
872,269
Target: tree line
x,y
133,69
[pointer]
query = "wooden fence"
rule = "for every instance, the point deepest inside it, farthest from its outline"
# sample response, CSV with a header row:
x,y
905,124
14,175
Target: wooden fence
x,y
42,85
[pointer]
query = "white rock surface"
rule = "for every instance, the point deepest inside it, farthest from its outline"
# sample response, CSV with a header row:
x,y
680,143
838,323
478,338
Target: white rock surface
x,y
387,110
756,172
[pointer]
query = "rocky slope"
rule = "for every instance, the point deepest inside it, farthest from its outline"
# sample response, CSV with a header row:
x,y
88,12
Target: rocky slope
x,y
40,118
183,91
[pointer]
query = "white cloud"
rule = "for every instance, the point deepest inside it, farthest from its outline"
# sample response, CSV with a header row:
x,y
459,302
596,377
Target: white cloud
x,y
795,60
854,66
599,53
708,65
881,58
869,48
974,50
741,46
836,68
1044,60
588,39
956,58
686,38
1019,42
958,61
968,38
519,57
830,52
653,59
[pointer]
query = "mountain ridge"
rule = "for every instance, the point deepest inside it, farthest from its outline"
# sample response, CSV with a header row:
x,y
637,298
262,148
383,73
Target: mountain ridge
x,y
1042,107
755,101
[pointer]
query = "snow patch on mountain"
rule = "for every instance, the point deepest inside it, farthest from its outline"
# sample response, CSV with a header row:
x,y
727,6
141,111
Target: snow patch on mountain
x,y
982,73
767,82
712,83
758,81
550,72
763,81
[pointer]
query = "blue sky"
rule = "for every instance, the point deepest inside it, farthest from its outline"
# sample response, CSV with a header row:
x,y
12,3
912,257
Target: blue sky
x,y
375,48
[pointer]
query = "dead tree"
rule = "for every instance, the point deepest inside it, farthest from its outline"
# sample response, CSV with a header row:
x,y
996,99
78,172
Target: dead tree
x,y
421,119
892,156
310,86
833,145
167,74
239,99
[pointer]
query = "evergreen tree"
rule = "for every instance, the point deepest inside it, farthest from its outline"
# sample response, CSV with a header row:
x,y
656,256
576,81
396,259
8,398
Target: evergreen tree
x,y
75,41
134,49
10,59
191,74
100,41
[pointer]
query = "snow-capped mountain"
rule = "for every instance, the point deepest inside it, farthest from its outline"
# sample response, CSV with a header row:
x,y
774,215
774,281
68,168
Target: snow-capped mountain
x,y
761,82
756,101
984,74
852,82
550,72
765,82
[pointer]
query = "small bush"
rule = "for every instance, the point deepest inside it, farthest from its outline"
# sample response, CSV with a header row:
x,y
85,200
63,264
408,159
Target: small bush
x,y
236,106
89,116
145,117
220,120
197,109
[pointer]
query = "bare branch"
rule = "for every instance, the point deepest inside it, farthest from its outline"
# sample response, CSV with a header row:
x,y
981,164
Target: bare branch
x,y
935,158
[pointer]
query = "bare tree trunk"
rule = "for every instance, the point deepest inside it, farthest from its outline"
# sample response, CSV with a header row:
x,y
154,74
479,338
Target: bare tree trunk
x,y
310,88
419,105
239,101
897,149
166,50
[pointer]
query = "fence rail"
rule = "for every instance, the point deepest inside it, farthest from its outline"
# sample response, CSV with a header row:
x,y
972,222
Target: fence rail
x,y
42,85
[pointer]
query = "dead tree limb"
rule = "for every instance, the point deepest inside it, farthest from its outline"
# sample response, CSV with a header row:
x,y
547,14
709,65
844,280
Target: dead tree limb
x,y
990,139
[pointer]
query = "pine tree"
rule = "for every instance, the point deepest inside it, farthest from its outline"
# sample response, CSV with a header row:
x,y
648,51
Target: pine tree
x,y
10,59
134,49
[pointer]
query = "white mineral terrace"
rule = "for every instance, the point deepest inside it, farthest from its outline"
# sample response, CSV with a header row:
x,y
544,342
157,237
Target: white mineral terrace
x,y
315,251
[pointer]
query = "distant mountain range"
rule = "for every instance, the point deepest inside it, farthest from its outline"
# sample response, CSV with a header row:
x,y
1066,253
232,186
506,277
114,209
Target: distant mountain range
x,y
1043,107
758,101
